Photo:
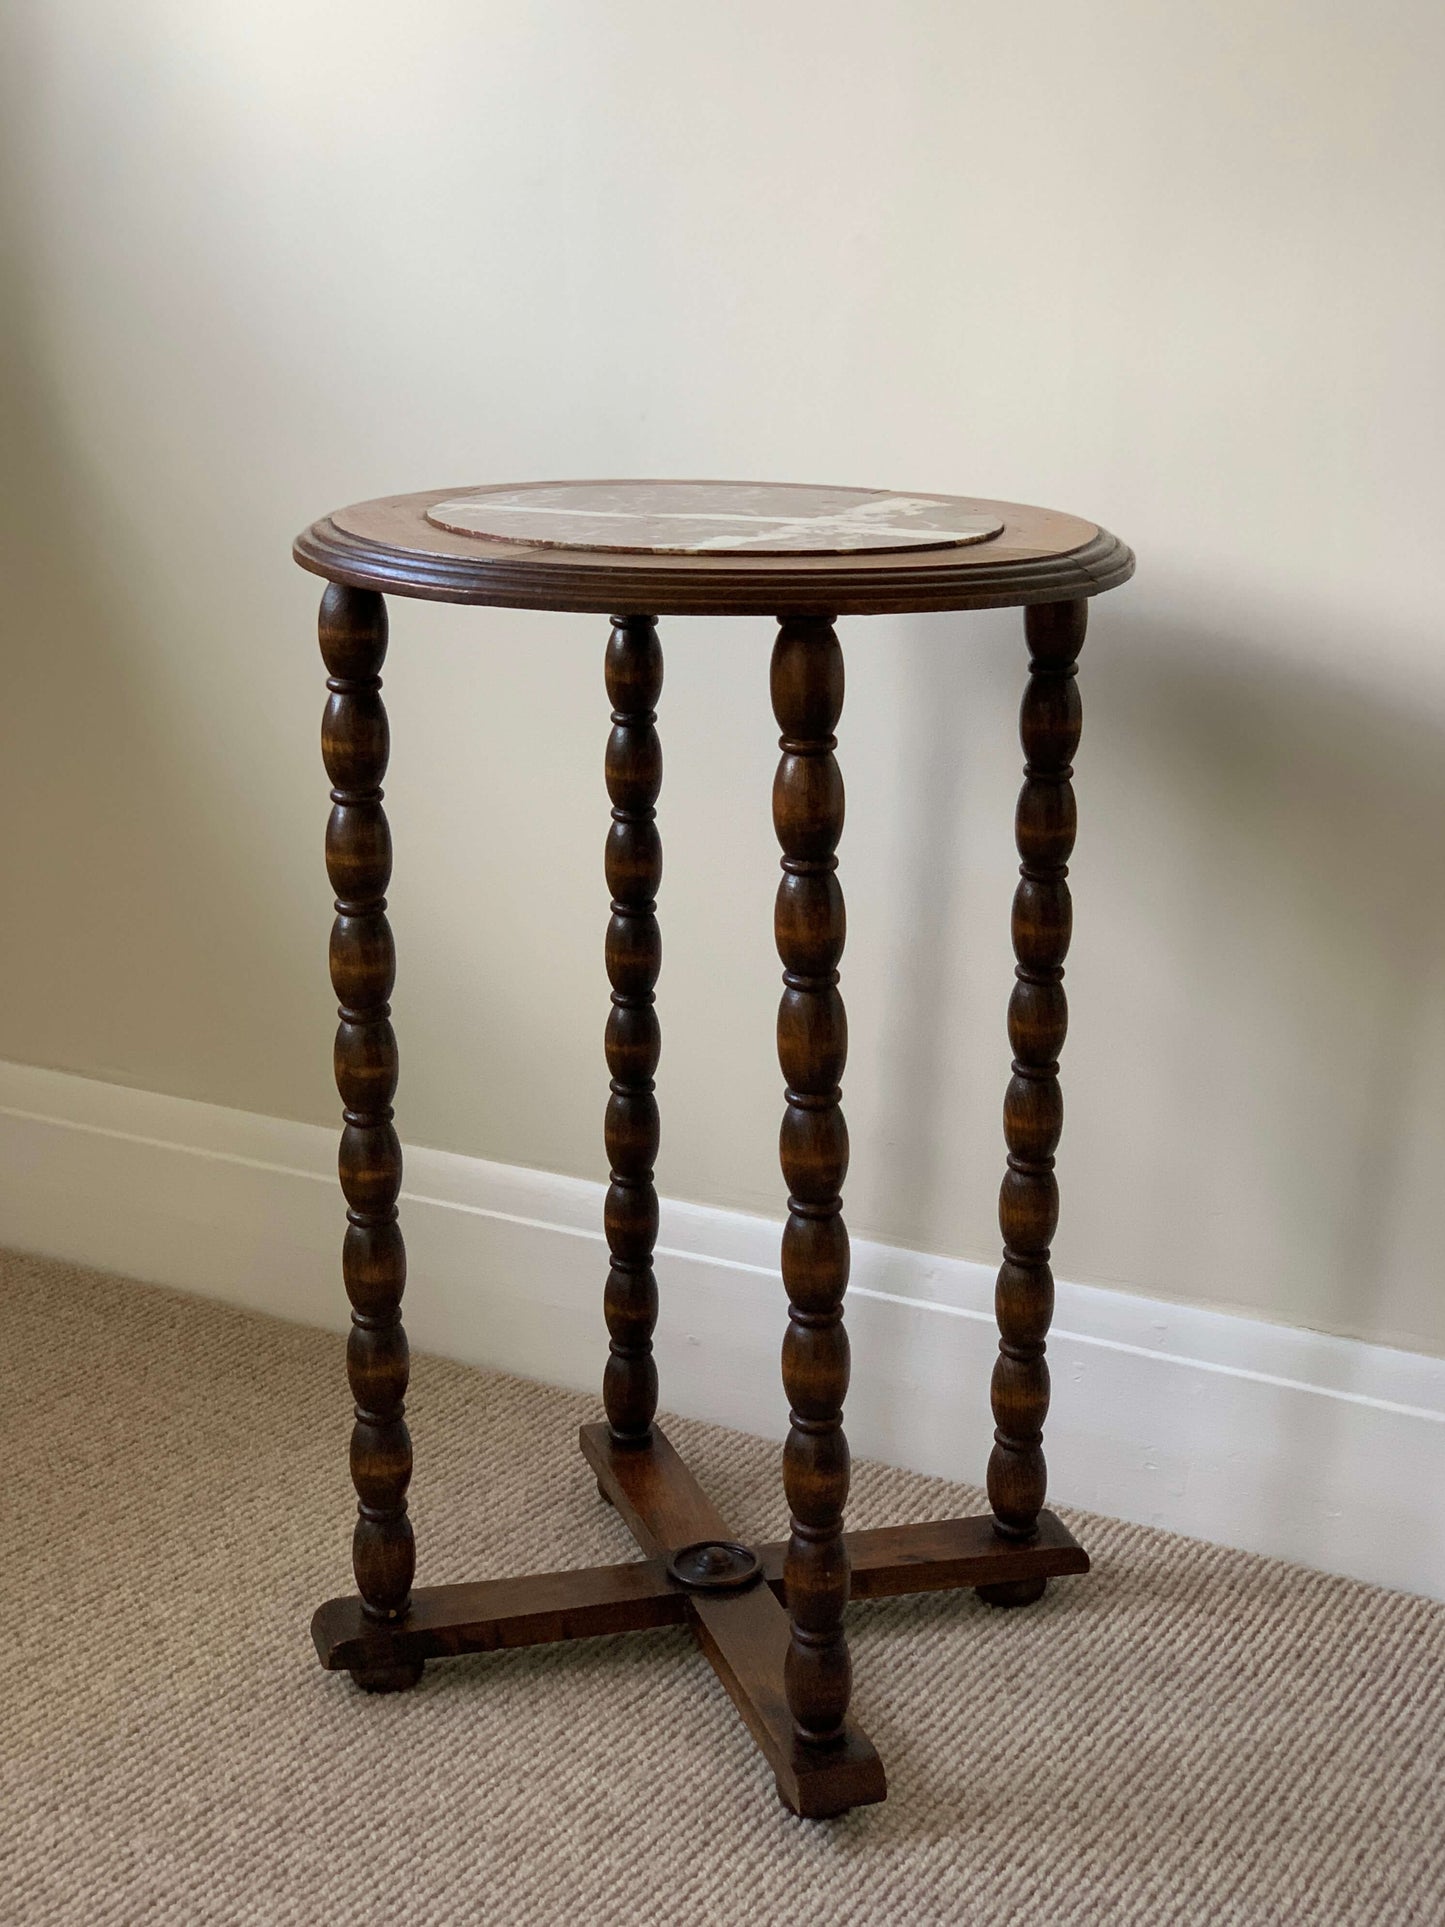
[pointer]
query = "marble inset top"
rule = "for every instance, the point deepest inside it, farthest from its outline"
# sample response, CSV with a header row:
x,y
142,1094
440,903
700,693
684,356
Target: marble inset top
x,y
714,518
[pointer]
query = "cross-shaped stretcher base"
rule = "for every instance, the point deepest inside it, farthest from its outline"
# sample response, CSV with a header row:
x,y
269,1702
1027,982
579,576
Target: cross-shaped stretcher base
x,y
743,1632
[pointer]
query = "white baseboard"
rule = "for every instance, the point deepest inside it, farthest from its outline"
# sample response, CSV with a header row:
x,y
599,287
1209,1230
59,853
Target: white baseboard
x,y
1315,1448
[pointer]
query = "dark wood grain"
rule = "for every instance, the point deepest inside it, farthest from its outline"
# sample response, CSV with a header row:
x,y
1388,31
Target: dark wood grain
x,y
497,1615
747,1640
940,1555
543,1609
778,1642
388,544
747,1636
1049,725
659,1501
634,1042
355,747
809,925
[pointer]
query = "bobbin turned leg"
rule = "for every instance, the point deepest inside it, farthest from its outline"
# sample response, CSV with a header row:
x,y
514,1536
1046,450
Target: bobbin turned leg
x,y
354,743
634,1043
1049,724
807,692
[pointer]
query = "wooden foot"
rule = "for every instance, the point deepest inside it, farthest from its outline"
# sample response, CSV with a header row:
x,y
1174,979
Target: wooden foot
x,y
1013,1592
388,1679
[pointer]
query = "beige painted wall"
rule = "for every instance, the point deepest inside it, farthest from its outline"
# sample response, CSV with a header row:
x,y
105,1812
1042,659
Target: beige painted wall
x,y
1177,268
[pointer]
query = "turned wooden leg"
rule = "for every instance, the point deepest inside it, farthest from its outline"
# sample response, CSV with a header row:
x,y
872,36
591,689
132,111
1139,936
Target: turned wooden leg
x,y
807,690
354,745
1033,1108
634,1042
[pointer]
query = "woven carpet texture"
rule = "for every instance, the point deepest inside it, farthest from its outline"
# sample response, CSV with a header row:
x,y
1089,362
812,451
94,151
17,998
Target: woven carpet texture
x,y
1187,1734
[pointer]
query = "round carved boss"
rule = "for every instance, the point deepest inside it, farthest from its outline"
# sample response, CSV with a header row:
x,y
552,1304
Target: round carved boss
x,y
715,1565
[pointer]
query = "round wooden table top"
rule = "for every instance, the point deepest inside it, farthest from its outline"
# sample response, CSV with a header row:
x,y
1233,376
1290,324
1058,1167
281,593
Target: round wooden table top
x,y
712,548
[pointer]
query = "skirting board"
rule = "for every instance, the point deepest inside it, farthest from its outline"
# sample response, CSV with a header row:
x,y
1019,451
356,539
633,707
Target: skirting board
x,y
1315,1448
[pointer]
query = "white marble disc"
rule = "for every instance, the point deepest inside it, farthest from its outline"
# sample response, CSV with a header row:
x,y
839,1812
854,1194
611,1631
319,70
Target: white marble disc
x,y
713,518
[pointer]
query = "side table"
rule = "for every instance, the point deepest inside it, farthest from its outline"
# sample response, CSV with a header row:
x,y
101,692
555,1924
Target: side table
x,y
769,1617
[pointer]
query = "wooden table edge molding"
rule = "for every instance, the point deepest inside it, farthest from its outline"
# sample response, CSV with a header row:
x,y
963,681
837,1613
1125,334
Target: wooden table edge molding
x,y
388,545
770,1618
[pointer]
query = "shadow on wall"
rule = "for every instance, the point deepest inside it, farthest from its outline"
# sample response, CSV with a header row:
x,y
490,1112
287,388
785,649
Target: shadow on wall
x,y
152,861
1255,1079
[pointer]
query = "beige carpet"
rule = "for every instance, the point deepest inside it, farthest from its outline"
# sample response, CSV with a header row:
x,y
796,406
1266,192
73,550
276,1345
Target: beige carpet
x,y
1186,1735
